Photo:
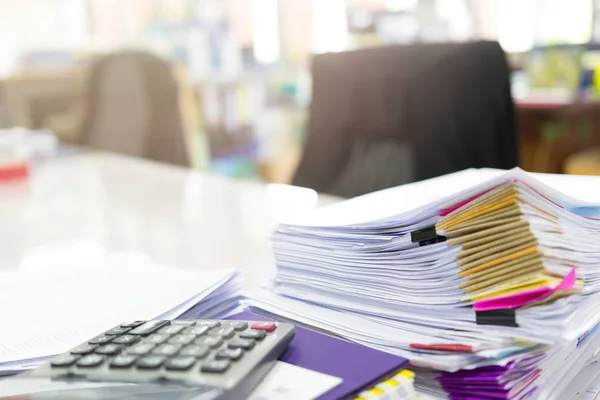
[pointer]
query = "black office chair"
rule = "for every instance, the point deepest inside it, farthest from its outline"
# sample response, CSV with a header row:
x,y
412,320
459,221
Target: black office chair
x,y
388,116
133,108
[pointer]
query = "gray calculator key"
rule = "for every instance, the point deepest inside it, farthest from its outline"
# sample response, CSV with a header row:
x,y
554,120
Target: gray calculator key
x,y
157,338
109,349
238,343
182,339
102,339
141,349
123,361
119,330
172,329
210,341
229,354
183,322
148,327
253,334
63,360
126,339
238,325
132,324
195,351
180,363
166,350
84,349
208,324
150,362
216,366
225,332
196,330
92,360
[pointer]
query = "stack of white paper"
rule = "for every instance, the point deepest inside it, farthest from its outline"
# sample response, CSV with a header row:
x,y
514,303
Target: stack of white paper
x,y
48,311
491,277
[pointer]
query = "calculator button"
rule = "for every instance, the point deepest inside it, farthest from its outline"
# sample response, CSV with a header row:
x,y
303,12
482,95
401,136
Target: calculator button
x,y
229,354
141,349
157,338
208,324
195,351
118,331
92,360
245,344
102,339
166,350
215,366
84,349
149,327
126,339
171,330
196,330
183,322
264,326
238,325
133,324
109,349
63,360
210,341
150,362
252,334
225,332
122,361
182,339
180,363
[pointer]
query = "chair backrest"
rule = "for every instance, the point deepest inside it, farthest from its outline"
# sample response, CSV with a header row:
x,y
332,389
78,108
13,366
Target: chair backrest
x,y
388,116
133,108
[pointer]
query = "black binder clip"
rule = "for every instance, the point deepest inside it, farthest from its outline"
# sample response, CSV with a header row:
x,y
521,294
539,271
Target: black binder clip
x,y
502,317
426,236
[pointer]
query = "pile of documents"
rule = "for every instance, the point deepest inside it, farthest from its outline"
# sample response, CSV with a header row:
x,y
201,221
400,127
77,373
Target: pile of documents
x,y
488,281
46,311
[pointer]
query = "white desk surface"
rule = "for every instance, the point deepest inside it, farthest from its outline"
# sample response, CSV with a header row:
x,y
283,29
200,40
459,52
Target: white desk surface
x,y
179,217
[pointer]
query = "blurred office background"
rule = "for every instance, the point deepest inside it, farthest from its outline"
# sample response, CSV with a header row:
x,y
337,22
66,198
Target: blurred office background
x,y
243,68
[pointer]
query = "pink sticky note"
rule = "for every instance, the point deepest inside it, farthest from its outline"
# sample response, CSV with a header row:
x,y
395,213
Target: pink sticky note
x,y
522,298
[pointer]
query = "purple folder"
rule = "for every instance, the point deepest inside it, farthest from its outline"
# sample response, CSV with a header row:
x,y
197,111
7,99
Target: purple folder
x,y
359,366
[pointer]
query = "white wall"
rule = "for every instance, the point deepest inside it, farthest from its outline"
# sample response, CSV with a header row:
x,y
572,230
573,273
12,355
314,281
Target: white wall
x,y
27,25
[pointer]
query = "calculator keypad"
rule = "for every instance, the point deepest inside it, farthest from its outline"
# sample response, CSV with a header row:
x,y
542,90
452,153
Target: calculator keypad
x,y
123,361
64,360
151,362
109,349
216,366
180,363
126,339
92,360
185,350
84,349
210,341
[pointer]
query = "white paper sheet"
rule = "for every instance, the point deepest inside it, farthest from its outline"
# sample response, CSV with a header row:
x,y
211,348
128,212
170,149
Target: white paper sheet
x,y
287,381
46,312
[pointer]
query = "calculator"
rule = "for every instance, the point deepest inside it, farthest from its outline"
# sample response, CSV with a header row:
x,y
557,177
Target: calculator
x,y
231,356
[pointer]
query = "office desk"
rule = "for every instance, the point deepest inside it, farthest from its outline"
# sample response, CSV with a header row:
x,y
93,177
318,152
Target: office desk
x,y
179,217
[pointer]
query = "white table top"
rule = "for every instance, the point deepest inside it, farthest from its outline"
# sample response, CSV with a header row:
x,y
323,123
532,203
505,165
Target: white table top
x,y
179,217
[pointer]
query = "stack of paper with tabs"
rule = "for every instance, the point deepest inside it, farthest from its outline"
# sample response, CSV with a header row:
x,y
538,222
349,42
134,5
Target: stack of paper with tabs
x,y
48,311
491,281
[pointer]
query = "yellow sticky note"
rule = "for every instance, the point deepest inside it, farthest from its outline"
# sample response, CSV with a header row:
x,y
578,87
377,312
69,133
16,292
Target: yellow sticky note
x,y
407,374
